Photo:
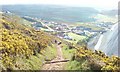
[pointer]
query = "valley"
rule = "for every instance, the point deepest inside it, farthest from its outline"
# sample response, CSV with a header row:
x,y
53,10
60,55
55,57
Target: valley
x,y
35,42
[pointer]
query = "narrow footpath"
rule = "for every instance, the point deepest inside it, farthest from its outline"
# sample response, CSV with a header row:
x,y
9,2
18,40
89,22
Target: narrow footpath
x,y
57,63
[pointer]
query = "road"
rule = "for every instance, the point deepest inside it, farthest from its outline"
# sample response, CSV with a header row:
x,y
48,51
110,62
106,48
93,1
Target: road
x,y
40,22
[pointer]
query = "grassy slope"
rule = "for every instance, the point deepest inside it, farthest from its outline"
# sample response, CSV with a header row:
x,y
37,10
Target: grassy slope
x,y
67,53
36,62
16,34
85,59
82,59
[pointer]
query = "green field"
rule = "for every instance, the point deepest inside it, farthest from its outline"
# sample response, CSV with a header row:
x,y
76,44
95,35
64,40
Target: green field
x,y
76,37
92,26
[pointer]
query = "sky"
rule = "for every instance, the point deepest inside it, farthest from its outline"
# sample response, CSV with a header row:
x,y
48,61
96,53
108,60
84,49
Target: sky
x,y
99,4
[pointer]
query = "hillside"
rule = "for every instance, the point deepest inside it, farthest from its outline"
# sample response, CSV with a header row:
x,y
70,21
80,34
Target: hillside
x,y
54,12
24,48
85,59
22,43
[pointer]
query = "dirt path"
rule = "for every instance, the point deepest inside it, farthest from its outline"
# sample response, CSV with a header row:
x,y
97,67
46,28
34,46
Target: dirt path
x,y
58,65
59,51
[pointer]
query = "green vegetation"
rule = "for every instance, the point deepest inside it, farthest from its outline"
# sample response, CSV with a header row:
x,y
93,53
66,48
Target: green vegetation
x,y
23,48
21,43
82,42
44,29
67,51
75,37
92,26
49,53
35,62
85,59
75,65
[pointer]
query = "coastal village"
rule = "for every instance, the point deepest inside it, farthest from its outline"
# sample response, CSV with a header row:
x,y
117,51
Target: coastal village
x,y
65,31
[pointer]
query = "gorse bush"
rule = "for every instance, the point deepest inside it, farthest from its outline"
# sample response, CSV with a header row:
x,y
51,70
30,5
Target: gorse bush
x,y
21,46
20,41
97,60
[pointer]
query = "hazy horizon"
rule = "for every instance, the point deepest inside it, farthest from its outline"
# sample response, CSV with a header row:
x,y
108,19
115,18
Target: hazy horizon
x,y
100,5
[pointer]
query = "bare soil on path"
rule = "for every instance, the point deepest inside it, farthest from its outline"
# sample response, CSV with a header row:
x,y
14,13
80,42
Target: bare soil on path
x,y
57,63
